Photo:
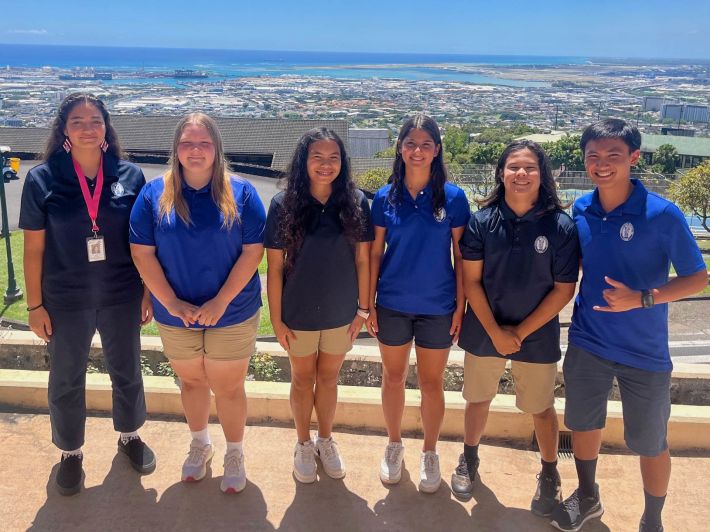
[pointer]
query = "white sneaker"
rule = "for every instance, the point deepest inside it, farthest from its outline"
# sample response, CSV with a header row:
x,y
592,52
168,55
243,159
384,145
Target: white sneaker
x,y
195,466
391,465
304,462
327,451
429,474
235,475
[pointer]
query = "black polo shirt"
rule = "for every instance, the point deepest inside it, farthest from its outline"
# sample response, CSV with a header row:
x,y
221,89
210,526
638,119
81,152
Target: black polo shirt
x,y
321,292
522,257
52,200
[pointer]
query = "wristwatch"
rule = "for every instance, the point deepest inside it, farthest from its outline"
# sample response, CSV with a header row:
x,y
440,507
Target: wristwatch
x,y
647,299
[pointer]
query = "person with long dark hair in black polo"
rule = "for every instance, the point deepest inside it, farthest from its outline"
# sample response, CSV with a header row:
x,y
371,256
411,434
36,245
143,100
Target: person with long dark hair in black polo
x,y
420,217
318,235
521,261
80,278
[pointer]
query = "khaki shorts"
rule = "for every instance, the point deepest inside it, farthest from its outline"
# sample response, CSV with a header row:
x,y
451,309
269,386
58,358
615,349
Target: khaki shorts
x,y
534,383
233,342
329,341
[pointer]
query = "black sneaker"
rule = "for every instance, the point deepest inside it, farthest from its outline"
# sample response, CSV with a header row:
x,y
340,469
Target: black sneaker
x,y
547,496
463,477
141,457
68,479
571,514
643,527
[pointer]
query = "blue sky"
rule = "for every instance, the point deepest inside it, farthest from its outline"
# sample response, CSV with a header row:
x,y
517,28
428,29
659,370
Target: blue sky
x,y
607,28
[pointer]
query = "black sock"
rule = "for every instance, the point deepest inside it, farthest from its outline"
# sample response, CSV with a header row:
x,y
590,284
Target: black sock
x,y
586,472
470,453
549,469
653,509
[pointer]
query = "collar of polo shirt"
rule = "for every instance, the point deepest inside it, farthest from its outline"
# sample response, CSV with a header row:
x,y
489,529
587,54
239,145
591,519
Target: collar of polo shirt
x,y
635,204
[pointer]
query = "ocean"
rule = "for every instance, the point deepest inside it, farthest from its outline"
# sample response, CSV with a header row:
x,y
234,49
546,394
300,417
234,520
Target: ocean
x,y
224,64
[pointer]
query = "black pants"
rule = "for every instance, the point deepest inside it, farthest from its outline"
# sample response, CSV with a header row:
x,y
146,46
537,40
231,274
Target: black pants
x,y
72,330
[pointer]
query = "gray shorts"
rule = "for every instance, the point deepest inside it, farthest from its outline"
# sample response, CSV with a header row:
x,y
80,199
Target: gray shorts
x,y
645,399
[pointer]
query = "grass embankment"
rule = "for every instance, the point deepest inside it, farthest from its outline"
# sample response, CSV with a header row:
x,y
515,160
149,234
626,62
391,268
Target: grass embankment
x,y
18,310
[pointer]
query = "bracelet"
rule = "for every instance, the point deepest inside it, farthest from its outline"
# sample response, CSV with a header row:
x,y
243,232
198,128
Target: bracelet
x,y
364,315
30,309
363,309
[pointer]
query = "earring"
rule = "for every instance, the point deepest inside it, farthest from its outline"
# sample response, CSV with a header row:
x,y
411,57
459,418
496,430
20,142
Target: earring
x,y
67,145
104,146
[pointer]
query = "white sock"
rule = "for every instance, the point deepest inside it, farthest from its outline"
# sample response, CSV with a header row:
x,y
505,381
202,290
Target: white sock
x,y
203,436
321,438
75,452
234,445
128,436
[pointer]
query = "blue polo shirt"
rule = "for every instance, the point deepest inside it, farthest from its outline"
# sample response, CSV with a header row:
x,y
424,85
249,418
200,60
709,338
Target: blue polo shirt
x,y
523,257
198,258
635,244
417,274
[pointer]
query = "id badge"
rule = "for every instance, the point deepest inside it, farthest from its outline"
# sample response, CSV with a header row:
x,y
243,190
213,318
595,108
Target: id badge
x,y
95,248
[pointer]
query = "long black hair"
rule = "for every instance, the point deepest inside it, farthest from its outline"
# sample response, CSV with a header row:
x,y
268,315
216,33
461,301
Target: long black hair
x,y
56,130
292,226
439,175
548,189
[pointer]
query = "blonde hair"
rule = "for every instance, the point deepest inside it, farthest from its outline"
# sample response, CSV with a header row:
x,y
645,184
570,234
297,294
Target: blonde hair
x,y
172,198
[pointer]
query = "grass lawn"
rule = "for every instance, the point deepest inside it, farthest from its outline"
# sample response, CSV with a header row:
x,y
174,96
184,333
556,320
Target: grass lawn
x,y
17,310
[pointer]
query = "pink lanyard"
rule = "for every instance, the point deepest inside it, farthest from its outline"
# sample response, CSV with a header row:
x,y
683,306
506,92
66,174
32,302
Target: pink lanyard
x,y
92,202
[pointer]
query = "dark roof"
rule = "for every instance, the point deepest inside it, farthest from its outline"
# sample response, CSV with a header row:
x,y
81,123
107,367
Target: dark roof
x,y
153,134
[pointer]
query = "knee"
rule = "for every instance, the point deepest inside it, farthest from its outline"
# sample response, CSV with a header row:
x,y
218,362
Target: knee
x,y
394,377
327,379
194,382
548,414
431,386
229,392
303,380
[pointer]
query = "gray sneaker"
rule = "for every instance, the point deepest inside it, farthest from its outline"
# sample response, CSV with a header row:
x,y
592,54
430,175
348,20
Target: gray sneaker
x,y
547,496
327,451
391,465
195,466
463,478
304,462
235,475
429,473
576,510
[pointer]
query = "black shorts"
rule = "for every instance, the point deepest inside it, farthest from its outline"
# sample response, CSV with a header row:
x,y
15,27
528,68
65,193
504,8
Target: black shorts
x,y
398,328
645,399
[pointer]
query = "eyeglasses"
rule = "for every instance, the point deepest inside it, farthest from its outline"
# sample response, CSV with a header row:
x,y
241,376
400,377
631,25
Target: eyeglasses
x,y
423,147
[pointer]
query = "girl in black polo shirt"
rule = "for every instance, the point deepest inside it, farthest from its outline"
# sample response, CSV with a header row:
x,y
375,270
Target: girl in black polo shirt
x,y
80,278
318,235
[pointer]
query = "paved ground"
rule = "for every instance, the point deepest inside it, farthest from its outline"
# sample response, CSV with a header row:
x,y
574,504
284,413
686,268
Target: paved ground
x,y
116,499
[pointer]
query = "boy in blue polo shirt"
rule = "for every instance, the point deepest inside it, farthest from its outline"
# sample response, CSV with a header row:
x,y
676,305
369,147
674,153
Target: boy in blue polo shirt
x,y
629,238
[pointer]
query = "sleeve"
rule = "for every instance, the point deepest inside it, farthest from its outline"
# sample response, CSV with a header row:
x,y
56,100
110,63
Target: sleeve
x,y
368,231
378,208
680,244
33,212
461,208
273,220
566,259
473,240
141,228
253,217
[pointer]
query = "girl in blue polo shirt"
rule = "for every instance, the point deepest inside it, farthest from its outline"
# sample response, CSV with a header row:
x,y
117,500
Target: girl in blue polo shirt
x,y
196,238
318,235
417,289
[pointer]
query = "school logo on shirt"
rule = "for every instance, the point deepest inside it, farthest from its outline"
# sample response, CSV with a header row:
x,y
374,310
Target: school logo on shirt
x,y
541,244
440,215
626,232
117,189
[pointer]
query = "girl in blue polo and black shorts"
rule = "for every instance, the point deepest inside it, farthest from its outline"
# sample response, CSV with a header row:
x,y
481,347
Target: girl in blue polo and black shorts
x,y
417,287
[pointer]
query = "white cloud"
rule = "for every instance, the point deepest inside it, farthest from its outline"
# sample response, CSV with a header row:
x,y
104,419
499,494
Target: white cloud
x,y
28,32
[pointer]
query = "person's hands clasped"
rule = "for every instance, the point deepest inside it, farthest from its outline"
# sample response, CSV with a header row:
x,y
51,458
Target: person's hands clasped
x,y
506,341
183,310
211,311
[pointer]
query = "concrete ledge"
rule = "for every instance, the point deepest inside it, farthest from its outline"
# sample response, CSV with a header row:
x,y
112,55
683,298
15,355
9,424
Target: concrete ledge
x,y
358,408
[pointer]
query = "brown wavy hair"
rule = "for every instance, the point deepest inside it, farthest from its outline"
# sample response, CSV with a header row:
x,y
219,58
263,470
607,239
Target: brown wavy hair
x,y
59,124
172,198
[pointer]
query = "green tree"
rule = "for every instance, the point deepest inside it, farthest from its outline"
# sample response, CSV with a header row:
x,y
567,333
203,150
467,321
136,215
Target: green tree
x,y
485,153
691,192
388,153
373,179
455,140
666,158
567,152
